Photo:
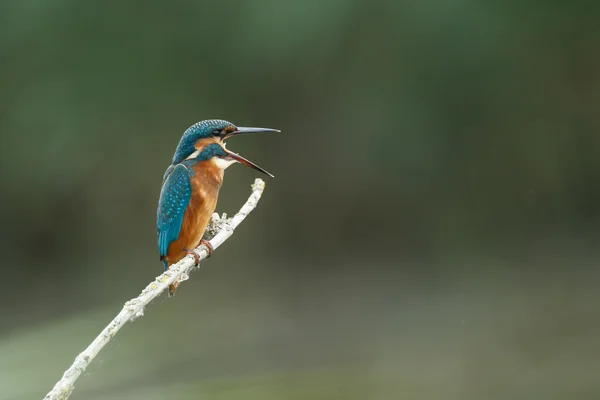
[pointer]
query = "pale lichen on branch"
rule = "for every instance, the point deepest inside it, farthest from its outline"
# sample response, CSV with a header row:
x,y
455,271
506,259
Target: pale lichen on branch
x,y
219,230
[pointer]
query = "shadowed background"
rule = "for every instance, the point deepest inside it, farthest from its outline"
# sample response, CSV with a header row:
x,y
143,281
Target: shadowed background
x,y
431,232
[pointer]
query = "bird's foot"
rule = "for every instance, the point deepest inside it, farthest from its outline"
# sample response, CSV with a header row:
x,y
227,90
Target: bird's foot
x,y
194,254
208,246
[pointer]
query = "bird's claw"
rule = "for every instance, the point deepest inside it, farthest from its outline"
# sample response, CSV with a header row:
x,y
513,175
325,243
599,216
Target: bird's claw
x,y
194,254
208,246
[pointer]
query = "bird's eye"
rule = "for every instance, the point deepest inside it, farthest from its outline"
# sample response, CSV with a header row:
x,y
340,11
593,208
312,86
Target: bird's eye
x,y
216,132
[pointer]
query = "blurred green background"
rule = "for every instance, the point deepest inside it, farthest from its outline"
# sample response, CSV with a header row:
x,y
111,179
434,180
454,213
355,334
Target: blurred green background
x,y
431,233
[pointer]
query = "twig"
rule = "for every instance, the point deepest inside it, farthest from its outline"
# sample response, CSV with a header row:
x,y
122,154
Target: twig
x,y
135,308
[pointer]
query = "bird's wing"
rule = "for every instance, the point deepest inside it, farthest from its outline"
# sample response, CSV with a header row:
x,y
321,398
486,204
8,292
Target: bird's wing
x,y
174,198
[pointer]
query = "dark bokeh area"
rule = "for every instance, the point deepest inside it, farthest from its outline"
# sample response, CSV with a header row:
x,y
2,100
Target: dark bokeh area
x,y
432,231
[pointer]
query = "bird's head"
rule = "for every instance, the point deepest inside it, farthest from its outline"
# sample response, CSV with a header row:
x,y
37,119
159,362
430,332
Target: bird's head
x,y
206,139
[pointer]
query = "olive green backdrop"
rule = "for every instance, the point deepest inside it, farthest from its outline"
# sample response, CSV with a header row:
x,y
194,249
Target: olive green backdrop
x,y
431,233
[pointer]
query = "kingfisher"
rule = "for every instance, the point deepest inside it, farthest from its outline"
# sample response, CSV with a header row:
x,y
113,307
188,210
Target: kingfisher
x,y
190,188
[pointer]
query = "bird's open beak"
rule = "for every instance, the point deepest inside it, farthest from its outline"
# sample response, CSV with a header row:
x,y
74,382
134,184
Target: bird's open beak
x,y
241,130
248,163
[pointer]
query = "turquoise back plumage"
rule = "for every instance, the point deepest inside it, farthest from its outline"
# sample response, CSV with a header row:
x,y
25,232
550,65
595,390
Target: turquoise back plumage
x,y
175,196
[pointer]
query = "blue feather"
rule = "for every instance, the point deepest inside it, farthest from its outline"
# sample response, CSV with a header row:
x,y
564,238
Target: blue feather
x,y
199,130
174,198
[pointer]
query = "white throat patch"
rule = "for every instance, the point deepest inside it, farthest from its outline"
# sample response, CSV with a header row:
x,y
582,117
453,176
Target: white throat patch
x,y
222,163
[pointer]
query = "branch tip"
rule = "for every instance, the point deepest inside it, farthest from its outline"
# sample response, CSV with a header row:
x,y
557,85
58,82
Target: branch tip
x,y
222,227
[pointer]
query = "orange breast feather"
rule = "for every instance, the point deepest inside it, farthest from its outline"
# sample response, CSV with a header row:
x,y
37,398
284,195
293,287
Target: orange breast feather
x,y
206,183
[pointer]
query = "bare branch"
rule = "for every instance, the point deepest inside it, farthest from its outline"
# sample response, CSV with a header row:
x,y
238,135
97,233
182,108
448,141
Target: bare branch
x,y
222,228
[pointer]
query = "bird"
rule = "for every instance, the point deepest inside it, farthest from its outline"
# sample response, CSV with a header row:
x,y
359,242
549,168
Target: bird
x,y
190,188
